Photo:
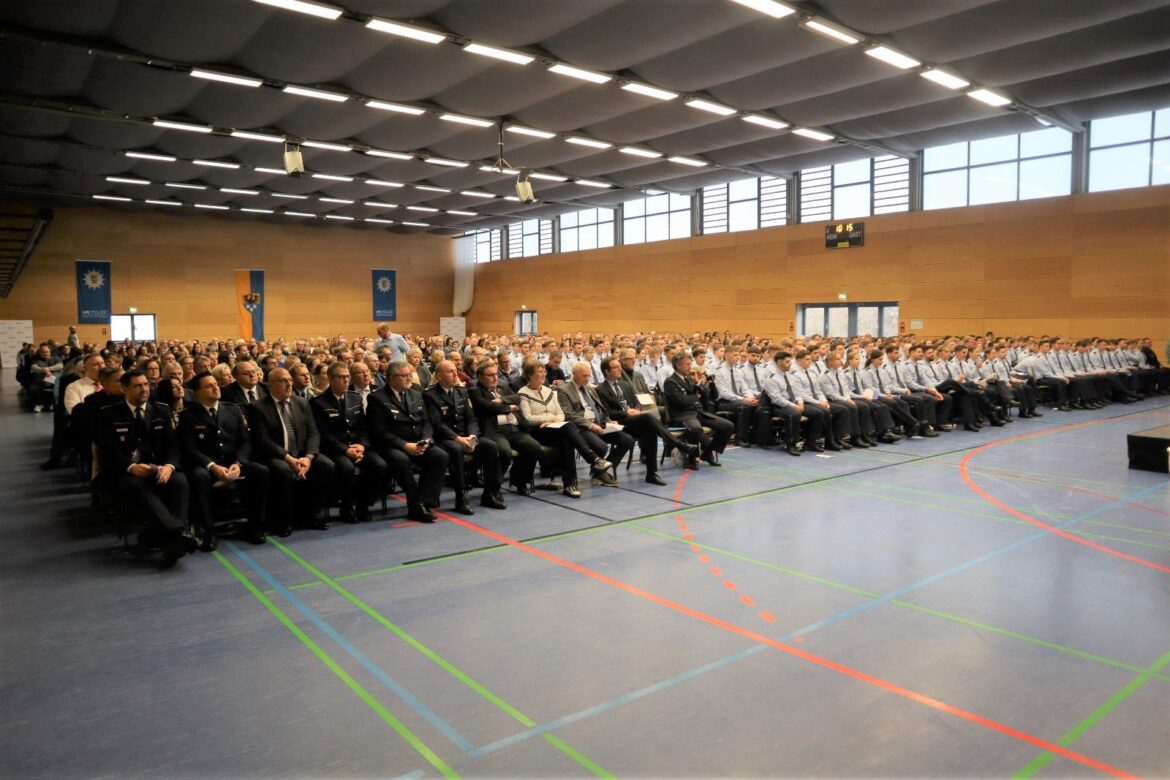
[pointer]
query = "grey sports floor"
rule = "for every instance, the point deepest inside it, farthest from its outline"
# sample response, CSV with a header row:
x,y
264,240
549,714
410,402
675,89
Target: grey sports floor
x,y
991,604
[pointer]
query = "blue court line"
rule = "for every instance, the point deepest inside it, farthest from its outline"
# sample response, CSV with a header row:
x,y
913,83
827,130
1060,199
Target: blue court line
x,y
415,775
357,655
669,682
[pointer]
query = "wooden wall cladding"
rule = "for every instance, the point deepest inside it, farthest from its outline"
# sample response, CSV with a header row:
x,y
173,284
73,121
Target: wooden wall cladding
x,y
1089,264
181,268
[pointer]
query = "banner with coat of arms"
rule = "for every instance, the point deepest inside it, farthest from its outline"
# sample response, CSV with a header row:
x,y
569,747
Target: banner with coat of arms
x,y
385,286
250,304
93,292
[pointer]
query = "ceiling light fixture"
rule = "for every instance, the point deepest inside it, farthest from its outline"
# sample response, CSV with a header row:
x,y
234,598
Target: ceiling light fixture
x,y
462,213
383,183
466,120
713,108
498,170
185,126
126,180
590,142
389,155
765,121
948,80
770,7
521,130
835,32
499,54
319,94
430,188
329,146
421,208
446,162
398,107
182,186
113,197
601,185
639,152
691,161
259,211
319,10
274,139
476,194
296,213
816,135
579,73
342,201
331,177
289,195
649,91
216,164
891,57
164,202
278,171
989,97
341,217
211,206
226,78
379,221
548,177
417,224
377,204
146,156
239,192
405,31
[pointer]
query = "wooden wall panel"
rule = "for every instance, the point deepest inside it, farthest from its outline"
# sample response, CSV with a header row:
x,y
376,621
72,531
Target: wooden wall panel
x,y
1090,264
181,268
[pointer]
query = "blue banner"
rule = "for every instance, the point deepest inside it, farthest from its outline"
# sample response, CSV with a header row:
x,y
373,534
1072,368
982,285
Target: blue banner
x,y
384,282
250,304
93,292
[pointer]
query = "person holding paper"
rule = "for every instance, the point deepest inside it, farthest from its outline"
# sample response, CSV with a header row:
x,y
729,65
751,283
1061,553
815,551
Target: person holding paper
x,y
497,410
583,408
621,405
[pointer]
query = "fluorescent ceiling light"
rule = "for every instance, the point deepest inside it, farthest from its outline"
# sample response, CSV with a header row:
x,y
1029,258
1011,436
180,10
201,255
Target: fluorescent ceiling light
x,y
462,213
430,188
466,120
259,211
389,155
398,107
331,177
216,164
319,10
211,75
639,152
339,216
578,73
324,145
126,180
445,161
380,221
164,202
521,130
590,142
592,183
279,171
548,177
417,224
187,126
948,80
406,31
891,57
377,204
512,198
272,139
183,186
691,161
296,213
769,7
989,97
342,201
765,121
499,171
649,91
707,105
289,195
210,206
239,192
816,135
420,208
113,197
499,54
383,183
320,94
158,157
476,194
839,34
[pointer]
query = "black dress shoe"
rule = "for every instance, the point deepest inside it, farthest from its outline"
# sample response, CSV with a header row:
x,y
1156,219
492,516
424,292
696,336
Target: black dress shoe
x,y
692,464
793,450
525,489
815,447
843,444
179,546
831,446
50,464
1035,413
946,427
209,543
860,443
654,479
889,438
419,513
996,423
462,507
571,490
687,449
284,531
493,500
710,459
319,525
256,537
972,428
928,432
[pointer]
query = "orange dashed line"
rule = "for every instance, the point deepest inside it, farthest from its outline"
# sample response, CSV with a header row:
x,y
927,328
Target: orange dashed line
x,y
705,558
746,599
682,527
768,616
689,537
729,584
696,547
716,571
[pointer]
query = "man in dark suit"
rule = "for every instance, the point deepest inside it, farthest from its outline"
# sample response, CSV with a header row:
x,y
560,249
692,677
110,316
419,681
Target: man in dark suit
x,y
140,459
583,408
246,390
344,439
286,440
618,397
456,431
496,411
400,431
684,403
216,449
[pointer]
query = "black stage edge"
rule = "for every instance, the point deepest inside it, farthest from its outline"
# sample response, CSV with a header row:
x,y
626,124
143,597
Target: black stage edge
x,y
1148,449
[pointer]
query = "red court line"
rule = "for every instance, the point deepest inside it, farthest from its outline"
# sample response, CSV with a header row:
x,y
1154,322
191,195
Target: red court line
x,y
823,662
965,473
1147,508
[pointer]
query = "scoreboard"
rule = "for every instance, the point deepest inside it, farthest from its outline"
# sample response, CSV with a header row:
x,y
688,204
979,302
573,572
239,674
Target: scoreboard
x,y
844,235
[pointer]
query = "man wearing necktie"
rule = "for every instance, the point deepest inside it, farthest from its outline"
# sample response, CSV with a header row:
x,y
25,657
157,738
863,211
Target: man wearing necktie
x,y
734,396
217,451
286,440
359,472
684,404
1046,374
457,432
882,414
497,409
247,389
582,407
787,404
929,406
834,384
836,418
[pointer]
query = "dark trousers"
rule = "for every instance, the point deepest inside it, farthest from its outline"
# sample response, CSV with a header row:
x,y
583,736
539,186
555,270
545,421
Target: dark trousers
x,y
1059,387
163,507
568,442
294,500
253,487
880,419
617,443
926,407
818,425
432,464
359,484
523,466
648,429
791,420
485,456
721,431
902,411
749,418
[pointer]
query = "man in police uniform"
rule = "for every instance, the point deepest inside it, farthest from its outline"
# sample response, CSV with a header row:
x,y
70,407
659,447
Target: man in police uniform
x,y
686,408
456,431
217,450
342,424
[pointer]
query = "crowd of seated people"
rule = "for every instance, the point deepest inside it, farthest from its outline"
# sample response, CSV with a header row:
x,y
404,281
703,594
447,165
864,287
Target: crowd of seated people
x,y
297,426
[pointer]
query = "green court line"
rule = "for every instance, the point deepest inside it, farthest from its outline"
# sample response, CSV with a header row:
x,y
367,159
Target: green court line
x,y
1040,761
1129,528
441,662
902,603
333,666
1122,539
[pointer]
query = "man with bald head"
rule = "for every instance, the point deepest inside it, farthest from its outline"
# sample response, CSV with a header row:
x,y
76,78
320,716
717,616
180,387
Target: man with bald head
x,y
247,389
457,432
286,440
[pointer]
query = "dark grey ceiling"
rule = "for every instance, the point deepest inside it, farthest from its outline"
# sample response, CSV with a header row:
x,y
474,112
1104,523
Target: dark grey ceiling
x,y
82,80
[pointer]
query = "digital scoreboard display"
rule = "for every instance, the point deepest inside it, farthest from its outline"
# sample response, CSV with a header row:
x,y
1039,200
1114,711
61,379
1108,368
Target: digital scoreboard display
x,y
844,235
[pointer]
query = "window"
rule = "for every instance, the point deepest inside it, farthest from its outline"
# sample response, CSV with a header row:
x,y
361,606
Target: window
x,y
530,237
656,218
487,245
841,320
525,323
745,205
136,327
995,170
859,188
1129,151
586,229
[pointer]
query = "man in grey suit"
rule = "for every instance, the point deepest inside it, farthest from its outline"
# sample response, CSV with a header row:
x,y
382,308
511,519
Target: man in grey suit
x,y
583,407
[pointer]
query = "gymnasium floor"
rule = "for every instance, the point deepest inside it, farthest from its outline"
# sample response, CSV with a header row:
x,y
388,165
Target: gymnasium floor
x,y
993,604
